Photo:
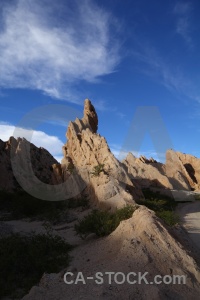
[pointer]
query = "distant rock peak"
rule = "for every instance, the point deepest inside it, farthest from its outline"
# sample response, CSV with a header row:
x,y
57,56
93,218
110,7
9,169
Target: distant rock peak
x,y
90,116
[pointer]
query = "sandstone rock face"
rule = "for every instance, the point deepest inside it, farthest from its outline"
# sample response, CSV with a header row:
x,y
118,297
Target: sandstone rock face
x,y
192,166
176,171
41,160
101,176
90,116
147,172
108,183
180,172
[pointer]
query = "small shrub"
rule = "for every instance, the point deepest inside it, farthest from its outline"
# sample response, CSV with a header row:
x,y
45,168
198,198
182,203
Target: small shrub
x,y
98,169
170,217
103,222
24,259
163,205
157,201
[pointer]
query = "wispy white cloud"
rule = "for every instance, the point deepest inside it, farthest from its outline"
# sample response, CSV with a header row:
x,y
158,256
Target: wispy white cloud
x,y
4,123
101,105
156,67
51,54
59,123
121,115
107,106
182,11
182,8
182,28
161,70
39,138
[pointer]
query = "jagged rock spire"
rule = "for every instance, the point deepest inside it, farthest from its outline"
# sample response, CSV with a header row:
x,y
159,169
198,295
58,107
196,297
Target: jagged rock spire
x,y
90,116
85,150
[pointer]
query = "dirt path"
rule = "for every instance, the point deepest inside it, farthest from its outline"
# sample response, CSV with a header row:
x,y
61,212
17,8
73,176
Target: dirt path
x,y
190,217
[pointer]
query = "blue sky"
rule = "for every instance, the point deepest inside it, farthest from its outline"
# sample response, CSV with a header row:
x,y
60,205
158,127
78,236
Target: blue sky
x,y
121,55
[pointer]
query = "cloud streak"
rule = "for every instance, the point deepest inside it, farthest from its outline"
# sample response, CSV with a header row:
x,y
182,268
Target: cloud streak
x,y
164,72
182,11
156,67
40,51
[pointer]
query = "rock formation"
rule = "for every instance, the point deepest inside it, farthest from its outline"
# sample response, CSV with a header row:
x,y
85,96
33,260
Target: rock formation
x,y
192,167
88,165
148,173
91,169
180,171
176,171
108,183
140,244
41,160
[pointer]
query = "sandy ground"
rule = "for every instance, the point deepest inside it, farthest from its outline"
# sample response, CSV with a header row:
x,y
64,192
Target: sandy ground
x,y
190,218
65,229
140,244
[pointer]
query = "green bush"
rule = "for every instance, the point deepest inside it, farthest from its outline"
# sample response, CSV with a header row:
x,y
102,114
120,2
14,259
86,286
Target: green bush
x,y
98,169
24,259
170,217
157,201
163,205
103,222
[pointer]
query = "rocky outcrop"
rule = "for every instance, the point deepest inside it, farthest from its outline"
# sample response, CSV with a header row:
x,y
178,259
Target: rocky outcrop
x,y
192,167
41,161
141,244
90,116
90,168
176,171
108,183
147,172
180,171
